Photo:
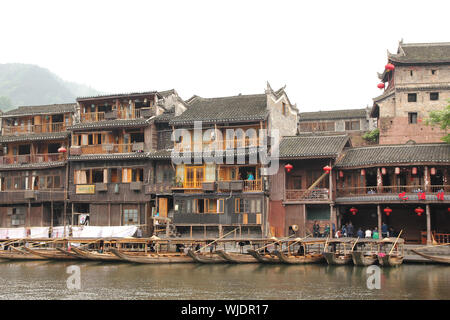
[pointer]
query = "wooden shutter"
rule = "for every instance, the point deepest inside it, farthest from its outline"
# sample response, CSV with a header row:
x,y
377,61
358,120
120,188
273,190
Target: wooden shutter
x,y
163,207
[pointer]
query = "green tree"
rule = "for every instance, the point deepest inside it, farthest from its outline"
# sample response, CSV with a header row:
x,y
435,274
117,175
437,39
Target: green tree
x,y
441,118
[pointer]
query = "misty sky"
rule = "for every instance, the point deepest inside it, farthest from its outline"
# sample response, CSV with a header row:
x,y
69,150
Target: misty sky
x,y
326,52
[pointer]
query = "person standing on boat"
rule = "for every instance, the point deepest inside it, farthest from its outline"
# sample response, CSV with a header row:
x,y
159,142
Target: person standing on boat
x,y
368,233
326,232
384,230
344,230
316,230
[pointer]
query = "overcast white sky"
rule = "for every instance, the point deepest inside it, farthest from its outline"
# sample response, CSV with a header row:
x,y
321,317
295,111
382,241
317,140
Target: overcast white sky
x,y
326,52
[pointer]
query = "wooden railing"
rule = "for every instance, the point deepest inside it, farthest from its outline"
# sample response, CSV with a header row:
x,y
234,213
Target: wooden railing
x,y
305,194
37,128
252,185
106,148
192,184
33,158
216,145
117,114
442,238
358,191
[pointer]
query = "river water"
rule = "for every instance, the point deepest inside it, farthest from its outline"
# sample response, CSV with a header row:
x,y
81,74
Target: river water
x,y
48,280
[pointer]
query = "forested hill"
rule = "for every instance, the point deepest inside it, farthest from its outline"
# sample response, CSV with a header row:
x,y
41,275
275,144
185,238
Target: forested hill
x,y
26,84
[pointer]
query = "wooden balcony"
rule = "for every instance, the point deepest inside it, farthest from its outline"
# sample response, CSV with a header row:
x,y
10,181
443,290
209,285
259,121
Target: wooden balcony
x,y
319,194
16,196
216,145
240,185
395,191
162,187
37,128
32,158
102,148
110,115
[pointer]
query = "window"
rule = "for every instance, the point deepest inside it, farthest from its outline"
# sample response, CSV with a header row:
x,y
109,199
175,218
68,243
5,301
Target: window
x,y
433,72
412,97
237,205
411,73
434,96
283,108
214,205
412,117
130,217
352,125
115,175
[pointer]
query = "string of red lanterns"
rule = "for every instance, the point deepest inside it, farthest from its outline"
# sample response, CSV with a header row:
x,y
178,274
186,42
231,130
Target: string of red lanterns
x,y
387,211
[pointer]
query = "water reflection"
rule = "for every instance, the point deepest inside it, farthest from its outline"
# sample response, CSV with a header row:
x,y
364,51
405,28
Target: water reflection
x,y
47,280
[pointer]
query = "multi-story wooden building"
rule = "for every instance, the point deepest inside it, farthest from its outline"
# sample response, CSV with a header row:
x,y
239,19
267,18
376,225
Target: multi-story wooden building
x,y
117,156
301,192
226,191
416,81
410,180
33,165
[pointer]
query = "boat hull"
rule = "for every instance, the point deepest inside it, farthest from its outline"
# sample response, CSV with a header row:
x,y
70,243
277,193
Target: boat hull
x,y
315,258
152,259
50,254
263,258
337,259
390,260
96,256
360,259
19,255
432,258
236,257
207,259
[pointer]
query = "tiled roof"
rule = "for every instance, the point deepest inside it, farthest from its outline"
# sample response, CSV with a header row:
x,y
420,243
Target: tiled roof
x,y
43,109
396,154
422,53
312,146
35,137
225,109
167,92
160,154
165,117
105,124
332,115
38,165
109,156
117,95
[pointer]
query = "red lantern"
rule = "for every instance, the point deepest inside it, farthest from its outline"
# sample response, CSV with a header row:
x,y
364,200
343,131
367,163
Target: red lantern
x,y
327,169
388,211
288,167
397,170
419,211
448,209
353,210
383,171
414,170
389,67
433,171
62,150
363,172
341,174
380,85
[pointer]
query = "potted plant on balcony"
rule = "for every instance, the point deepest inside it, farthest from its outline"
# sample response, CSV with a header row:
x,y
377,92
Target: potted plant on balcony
x,y
177,182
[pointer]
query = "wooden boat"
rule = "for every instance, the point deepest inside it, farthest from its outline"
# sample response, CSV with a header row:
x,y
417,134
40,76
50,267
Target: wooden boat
x,y
390,260
152,258
361,258
206,257
337,258
441,259
96,256
266,258
233,257
17,254
50,254
71,253
300,259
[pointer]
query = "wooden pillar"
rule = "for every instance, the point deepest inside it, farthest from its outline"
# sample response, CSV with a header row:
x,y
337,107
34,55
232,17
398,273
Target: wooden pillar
x,y
428,212
330,183
29,214
304,221
109,214
379,181
64,216
379,219
42,214
72,213
333,219
426,179
51,213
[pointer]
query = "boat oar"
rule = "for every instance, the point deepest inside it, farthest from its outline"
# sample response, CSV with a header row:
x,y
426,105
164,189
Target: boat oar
x,y
275,241
215,240
296,241
354,244
433,246
393,246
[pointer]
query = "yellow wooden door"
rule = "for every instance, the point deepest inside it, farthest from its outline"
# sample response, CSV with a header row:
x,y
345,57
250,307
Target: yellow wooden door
x,y
163,207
